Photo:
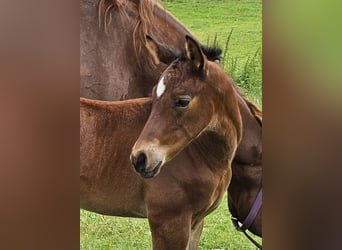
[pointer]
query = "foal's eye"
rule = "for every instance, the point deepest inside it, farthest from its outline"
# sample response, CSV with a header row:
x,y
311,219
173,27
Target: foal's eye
x,y
182,102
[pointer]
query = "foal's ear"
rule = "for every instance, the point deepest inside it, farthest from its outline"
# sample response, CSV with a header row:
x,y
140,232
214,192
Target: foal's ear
x,y
194,53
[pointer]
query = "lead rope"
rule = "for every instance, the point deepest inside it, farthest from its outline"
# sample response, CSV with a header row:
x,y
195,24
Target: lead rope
x,y
249,219
253,240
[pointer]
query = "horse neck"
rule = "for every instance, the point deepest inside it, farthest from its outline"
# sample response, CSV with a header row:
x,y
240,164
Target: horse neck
x,y
249,151
247,165
247,162
211,149
119,54
174,38
108,58
219,142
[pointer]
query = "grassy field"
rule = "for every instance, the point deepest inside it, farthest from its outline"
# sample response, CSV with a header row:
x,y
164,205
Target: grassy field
x,y
217,18
207,20
98,232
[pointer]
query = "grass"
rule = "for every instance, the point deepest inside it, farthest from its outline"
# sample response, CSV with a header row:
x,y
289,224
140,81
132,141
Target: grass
x,y
210,21
100,232
213,21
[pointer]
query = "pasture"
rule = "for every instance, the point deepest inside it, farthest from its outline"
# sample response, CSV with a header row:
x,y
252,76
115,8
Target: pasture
x,y
213,21
209,21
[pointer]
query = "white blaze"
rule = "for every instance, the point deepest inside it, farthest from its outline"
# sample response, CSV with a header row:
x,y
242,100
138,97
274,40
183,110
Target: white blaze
x,y
160,87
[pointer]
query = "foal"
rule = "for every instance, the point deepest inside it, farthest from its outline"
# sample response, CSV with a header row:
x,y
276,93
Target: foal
x,y
192,184
195,109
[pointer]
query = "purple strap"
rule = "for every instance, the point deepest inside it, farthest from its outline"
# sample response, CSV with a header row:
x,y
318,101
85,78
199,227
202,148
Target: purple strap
x,y
249,219
251,216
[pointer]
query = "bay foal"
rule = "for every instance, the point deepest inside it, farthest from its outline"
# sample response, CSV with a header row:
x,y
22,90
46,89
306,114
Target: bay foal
x,y
201,128
194,110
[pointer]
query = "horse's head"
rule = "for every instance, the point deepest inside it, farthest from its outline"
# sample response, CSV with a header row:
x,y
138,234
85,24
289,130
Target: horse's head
x,y
187,102
115,63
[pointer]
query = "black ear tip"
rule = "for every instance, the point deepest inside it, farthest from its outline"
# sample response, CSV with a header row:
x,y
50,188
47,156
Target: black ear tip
x,y
189,38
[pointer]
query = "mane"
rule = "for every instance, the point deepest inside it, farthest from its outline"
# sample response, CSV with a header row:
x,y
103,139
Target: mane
x,y
256,112
143,9
213,53
142,27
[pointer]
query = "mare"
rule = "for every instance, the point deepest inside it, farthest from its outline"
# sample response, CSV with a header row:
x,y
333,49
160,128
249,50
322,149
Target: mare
x,y
191,128
247,166
116,65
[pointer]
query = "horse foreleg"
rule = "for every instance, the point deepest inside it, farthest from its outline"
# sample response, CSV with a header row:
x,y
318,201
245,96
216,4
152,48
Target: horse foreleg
x,y
196,232
170,231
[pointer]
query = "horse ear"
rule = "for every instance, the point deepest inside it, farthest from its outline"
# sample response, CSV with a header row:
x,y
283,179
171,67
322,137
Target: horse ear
x,y
153,48
160,53
194,53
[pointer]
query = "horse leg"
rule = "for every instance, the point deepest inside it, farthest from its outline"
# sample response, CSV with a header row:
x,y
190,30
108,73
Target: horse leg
x,y
196,232
170,231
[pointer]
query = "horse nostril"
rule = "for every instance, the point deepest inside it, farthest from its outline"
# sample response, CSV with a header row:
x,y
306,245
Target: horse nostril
x,y
139,162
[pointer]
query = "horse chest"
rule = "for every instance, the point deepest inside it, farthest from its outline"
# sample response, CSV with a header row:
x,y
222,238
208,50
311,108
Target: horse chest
x,y
206,192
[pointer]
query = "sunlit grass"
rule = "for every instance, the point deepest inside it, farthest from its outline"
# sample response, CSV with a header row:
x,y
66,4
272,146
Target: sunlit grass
x,y
214,20
100,232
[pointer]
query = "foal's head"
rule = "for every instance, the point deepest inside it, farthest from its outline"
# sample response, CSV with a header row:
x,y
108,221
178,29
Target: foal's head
x,y
193,95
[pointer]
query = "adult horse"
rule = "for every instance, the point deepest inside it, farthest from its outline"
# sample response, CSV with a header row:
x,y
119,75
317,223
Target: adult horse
x,y
246,184
116,65
192,132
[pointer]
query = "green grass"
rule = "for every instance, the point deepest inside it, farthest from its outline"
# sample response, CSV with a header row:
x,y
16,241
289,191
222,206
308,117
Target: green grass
x,y
210,19
100,232
207,20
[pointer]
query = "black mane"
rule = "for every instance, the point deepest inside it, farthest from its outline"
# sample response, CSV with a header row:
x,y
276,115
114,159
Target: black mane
x,y
212,53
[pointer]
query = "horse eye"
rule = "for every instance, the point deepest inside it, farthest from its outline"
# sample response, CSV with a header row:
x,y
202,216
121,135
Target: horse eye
x,y
182,102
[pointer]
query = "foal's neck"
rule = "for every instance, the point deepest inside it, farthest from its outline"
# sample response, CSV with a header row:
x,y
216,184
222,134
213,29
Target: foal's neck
x,y
212,149
219,142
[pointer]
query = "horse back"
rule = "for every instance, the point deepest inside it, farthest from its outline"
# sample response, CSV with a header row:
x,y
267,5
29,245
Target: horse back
x,y
108,130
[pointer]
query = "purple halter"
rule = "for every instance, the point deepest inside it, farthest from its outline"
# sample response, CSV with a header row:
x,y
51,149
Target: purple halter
x,y
249,219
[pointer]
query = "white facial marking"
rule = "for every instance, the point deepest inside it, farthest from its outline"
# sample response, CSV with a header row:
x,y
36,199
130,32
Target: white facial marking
x,y
160,87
